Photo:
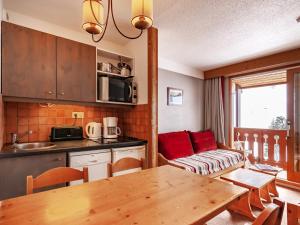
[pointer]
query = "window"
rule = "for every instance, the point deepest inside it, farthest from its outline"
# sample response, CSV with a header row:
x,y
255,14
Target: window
x,y
263,107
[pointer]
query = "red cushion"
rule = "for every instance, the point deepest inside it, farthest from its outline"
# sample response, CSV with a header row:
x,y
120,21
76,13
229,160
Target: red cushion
x,y
203,141
175,145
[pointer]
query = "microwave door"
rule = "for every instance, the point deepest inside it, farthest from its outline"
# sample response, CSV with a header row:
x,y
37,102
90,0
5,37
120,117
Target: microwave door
x,y
116,90
128,92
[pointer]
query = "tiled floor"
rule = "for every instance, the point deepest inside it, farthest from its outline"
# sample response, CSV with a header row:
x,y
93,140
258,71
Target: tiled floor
x,y
226,218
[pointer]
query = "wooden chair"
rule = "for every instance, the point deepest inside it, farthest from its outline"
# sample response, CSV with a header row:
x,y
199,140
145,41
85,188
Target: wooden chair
x,y
272,215
55,176
124,164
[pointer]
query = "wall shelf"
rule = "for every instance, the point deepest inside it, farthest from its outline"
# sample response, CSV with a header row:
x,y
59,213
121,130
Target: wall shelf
x,y
104,56
116,103
102,73
114,59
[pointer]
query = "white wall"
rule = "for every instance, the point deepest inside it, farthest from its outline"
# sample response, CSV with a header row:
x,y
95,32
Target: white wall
x,y
167,64
135,48
188,116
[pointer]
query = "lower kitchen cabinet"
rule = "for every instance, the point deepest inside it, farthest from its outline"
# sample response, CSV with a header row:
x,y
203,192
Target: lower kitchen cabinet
x,y
13,171
96,161
136,152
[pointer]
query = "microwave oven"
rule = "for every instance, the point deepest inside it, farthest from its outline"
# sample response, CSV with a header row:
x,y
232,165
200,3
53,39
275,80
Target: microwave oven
x,y
115,89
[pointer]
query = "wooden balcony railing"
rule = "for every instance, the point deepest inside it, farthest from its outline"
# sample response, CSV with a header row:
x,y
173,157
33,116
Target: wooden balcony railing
x,y
265,145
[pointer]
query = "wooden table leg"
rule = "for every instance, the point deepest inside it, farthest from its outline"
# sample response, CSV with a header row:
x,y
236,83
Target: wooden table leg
x,y
264,193
242,206
255,199
273,189
292,214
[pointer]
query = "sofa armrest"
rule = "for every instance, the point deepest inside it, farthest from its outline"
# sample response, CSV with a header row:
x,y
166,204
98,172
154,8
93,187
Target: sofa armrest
x,y
162,161
225,147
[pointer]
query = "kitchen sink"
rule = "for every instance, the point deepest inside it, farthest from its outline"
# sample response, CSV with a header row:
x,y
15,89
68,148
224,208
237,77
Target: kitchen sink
x,y
34,146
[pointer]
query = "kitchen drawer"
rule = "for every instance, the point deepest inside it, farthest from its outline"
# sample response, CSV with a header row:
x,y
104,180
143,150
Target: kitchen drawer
x,y
130,152
89,152
136,152
136,148
91,159
96,162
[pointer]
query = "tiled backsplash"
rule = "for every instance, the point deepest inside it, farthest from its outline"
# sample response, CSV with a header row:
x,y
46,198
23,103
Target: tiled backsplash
x,y
135,122
21,118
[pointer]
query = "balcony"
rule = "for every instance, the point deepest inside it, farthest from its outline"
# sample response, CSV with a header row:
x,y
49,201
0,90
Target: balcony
x,y
264,145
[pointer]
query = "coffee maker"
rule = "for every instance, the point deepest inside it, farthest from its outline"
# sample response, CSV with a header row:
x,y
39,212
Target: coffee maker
x,y
110,127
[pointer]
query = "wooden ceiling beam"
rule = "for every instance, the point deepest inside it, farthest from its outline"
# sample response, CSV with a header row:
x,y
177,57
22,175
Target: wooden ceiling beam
x,y
272,62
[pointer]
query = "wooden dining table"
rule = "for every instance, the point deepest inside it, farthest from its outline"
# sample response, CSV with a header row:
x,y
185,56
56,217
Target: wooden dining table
x,y
162,195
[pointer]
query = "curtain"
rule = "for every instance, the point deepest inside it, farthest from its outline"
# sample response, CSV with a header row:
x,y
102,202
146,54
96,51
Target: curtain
x,y
214,108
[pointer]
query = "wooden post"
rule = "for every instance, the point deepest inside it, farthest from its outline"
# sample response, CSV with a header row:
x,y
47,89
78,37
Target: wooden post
x,y
152,95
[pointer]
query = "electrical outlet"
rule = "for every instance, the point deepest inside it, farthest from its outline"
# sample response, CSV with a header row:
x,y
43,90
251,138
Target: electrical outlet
x,y
78,115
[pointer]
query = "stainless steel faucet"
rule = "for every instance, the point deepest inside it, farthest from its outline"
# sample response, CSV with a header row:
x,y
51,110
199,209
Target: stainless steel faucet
x,y
15,138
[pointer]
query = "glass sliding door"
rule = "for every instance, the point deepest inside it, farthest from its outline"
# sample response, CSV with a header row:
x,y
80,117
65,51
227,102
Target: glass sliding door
x,y
293,109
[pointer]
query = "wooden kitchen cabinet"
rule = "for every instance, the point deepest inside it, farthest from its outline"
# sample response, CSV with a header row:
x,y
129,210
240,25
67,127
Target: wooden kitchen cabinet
x,y
14,171
28,63
76,71
42,66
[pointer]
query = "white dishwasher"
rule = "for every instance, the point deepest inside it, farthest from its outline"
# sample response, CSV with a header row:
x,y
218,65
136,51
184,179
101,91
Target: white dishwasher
x,y
96,161
136,152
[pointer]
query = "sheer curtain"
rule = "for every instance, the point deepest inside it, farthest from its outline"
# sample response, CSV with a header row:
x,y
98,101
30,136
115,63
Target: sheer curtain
x,y
214,108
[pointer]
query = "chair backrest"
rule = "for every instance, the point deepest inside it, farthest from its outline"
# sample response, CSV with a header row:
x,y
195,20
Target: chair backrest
x,y
55,176
272,215
124,164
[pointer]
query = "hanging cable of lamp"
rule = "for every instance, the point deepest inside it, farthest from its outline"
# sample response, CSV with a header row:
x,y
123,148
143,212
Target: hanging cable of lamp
x,y
94,23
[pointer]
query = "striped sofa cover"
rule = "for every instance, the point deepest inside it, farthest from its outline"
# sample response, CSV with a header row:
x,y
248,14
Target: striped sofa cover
x,y
209,162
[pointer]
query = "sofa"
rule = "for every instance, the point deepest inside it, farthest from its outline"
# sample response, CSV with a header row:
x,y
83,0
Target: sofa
x,y
198,152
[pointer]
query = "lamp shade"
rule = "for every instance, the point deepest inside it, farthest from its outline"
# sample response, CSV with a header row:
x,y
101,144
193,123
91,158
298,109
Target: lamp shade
x,y
142,13
92,16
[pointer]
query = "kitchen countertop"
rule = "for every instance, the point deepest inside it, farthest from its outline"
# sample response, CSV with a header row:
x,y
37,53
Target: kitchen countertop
x,y
8,151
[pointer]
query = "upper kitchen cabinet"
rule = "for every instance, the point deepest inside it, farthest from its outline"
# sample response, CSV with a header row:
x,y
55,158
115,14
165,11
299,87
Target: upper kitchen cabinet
x,y
28,63
76,71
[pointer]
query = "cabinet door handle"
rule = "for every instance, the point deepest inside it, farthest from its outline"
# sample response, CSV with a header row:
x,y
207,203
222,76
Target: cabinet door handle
x,y
50,93
62,93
